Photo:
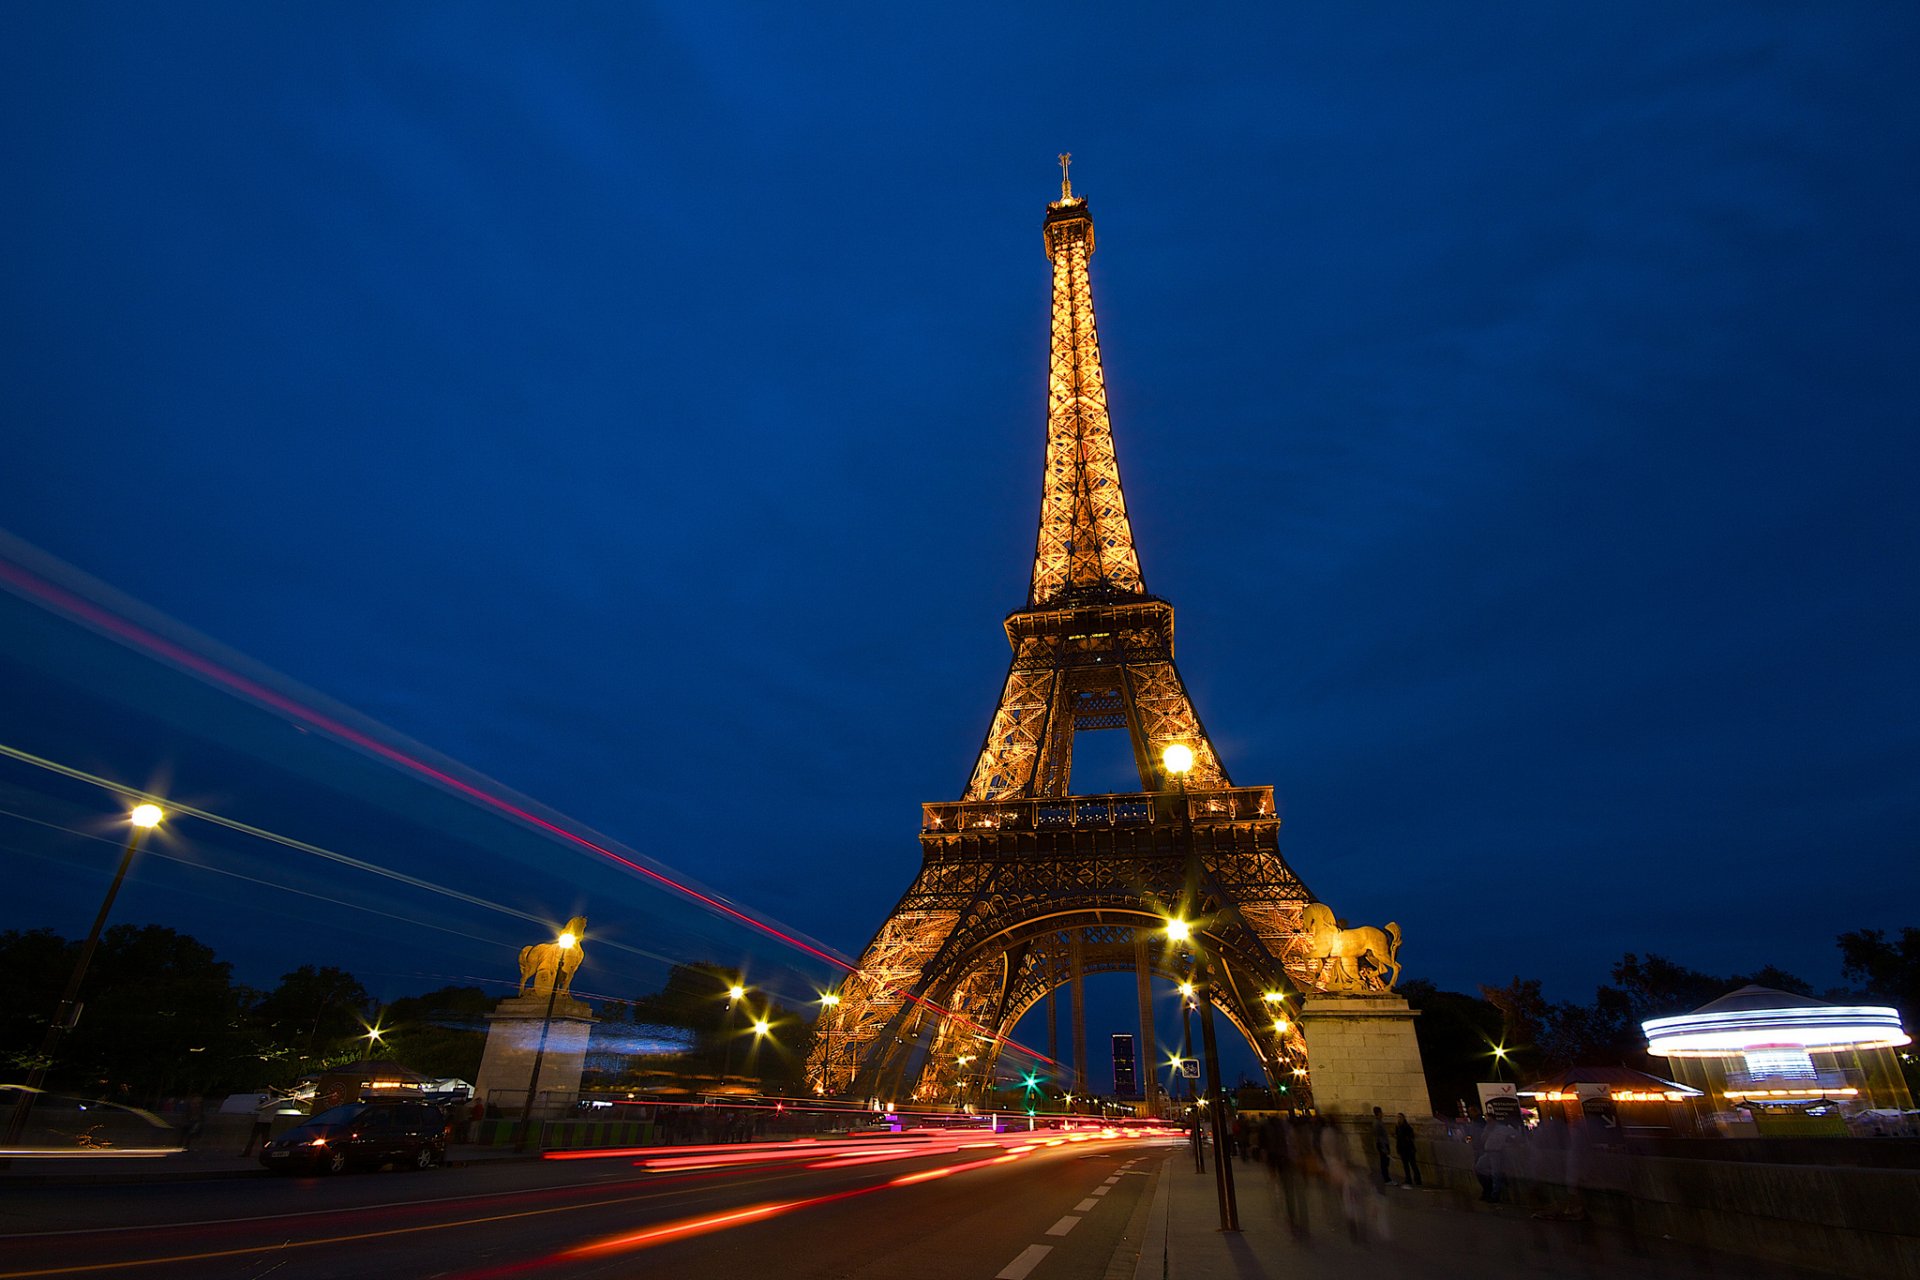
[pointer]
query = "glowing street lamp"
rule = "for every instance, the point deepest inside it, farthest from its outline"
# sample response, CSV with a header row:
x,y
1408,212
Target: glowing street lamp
x,y
143,818
761,1026
1178,758
735,994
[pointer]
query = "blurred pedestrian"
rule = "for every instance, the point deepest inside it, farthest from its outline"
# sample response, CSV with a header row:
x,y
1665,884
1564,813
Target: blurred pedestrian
x,y
194,1120
1381,1147
1409,1163
1288,1163
262,1124
1490,1165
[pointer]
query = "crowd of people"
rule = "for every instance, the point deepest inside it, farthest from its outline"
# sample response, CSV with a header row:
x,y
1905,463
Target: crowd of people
x,y
1311,1158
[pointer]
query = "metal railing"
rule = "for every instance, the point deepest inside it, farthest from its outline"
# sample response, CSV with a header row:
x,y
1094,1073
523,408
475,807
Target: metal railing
x,y
1073,813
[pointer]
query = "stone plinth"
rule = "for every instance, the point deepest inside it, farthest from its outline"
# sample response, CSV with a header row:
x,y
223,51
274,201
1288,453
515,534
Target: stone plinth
x,y
513,1038
1361,1054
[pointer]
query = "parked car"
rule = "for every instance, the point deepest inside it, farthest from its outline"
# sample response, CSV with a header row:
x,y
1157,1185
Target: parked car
x,y
362,1134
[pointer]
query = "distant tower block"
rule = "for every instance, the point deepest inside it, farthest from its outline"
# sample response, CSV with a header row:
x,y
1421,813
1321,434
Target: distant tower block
x,y
1125,1083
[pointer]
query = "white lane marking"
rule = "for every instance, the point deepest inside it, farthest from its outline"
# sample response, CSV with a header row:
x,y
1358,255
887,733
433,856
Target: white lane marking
x,y
1085,1206
1063,1226
1100,1191
1110,1181
1134,1173
1020,1266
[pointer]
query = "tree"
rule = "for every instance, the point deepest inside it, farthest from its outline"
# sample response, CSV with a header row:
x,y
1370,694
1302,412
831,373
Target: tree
x,y
694,1000
440,1034
1456,1033
313,1018
1889,971
159,1014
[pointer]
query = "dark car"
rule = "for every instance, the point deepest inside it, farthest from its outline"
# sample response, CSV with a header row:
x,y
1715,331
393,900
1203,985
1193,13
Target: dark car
x,y
362,1134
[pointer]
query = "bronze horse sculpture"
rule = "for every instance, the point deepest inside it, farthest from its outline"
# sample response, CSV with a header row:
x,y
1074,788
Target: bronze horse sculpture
x,y
549,966
1363,959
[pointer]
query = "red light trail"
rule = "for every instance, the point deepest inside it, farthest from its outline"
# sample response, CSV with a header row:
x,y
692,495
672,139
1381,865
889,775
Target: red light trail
x,y
40,589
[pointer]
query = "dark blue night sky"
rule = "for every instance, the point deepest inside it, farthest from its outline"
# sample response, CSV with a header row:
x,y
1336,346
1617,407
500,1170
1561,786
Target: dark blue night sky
x,y
644,406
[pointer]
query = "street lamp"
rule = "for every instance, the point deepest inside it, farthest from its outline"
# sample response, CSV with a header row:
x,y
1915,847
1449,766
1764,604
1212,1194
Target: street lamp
x,y
1178,758
566,942
144,818
735,994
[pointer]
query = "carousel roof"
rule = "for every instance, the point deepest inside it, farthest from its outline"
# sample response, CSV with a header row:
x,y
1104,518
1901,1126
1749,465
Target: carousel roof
x,y
1762,1018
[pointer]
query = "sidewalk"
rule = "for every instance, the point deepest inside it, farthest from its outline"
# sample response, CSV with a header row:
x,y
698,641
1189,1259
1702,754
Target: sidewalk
x,y
1432,1234
190,1164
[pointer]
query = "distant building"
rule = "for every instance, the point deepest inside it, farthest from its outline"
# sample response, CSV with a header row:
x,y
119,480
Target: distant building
x,y
1126,1083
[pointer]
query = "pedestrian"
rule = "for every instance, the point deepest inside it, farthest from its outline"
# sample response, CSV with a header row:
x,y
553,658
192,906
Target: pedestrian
x,y
1288,1161
1381,1147
262,1123
1409,1163
1490,1165
1342,1186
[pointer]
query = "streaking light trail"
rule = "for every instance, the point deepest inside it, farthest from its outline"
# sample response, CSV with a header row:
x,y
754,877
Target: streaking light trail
x,y
78,602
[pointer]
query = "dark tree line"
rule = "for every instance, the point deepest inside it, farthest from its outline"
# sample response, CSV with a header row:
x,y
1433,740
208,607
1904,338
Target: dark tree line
x,y
163,1017
1459,1034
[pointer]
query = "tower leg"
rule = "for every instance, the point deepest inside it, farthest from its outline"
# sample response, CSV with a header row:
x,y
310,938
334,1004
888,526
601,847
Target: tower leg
x,y
1053,1028
1147,1070
1076,962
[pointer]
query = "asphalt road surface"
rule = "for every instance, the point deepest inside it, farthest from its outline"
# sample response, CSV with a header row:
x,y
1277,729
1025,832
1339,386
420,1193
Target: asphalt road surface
x,y
1015,1207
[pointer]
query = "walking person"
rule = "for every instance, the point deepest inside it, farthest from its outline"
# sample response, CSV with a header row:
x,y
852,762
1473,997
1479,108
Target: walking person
x,y
1381,1147
262,1124
1491,1164
1409,1161
1287,1160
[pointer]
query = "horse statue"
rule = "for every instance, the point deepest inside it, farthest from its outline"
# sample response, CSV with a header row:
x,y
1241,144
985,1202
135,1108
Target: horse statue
x,y
1363,959
550,966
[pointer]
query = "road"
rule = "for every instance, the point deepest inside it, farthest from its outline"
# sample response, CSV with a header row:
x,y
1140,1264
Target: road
x,y
1019,1206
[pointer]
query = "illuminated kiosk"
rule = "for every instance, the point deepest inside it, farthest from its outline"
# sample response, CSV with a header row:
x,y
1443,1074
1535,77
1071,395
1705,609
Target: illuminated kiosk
x,y
1773,1063
1617,1097
364,1081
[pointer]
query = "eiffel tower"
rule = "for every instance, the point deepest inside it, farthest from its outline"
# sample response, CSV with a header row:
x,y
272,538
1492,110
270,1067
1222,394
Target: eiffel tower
x,y
1025,888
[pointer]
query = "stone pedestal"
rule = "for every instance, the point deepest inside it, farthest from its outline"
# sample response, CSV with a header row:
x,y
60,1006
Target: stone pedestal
x,y
513,1038
1361,1054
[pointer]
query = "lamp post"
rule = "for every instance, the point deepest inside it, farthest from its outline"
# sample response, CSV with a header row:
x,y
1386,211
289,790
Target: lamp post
x,y
1186,1051
566,943
1178,758
145,817
735,994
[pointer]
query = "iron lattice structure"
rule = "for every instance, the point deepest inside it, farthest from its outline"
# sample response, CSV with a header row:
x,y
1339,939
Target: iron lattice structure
x,y
1025,888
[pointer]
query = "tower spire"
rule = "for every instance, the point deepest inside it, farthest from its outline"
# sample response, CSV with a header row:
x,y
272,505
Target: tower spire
x,y
1086,543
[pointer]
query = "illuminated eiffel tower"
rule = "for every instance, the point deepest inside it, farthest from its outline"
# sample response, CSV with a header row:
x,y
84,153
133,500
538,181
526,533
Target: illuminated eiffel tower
x,y
1025,888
